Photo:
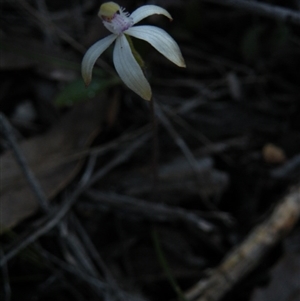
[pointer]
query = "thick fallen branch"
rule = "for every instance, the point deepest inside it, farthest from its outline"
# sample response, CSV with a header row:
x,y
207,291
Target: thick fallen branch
x,y
263,9
248,255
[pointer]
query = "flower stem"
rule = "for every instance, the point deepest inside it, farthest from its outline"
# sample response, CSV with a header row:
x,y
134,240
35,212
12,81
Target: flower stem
x,y
155,150
164,264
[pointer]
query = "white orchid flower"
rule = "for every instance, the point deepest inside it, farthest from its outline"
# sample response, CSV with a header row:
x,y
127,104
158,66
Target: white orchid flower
x,y
120,23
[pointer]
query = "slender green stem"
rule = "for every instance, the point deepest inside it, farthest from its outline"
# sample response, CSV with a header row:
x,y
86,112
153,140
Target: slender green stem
x,y
155,150
164,264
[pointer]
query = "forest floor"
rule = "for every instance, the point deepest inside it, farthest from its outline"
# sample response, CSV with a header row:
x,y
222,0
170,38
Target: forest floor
x,y
83,216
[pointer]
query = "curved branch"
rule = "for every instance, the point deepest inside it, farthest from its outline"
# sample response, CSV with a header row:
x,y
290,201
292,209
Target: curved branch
x,y
263,9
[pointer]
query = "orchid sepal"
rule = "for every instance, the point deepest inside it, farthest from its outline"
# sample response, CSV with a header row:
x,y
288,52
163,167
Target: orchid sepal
x,y
92,55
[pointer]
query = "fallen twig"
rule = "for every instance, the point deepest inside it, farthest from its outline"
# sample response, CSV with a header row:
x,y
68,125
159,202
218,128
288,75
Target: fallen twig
x,y
93,252
150,211
96,284
247,255
5,280
184,148
45,22
30,177
287,169
264,9
56,216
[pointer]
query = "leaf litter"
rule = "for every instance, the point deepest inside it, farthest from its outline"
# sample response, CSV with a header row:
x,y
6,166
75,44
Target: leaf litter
x,y
229,147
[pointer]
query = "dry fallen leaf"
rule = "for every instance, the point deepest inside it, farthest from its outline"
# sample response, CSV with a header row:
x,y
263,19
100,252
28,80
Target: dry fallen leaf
x,y
48,157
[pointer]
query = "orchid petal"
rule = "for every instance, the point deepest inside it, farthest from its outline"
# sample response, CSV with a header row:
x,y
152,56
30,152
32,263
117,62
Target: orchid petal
x,y
148,10
92,55
129,70
160,40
